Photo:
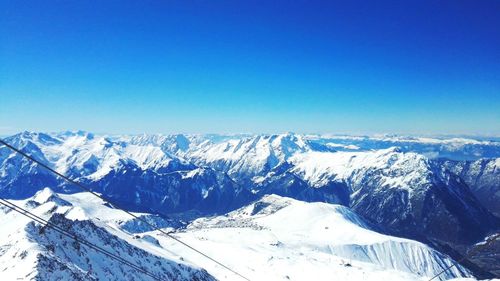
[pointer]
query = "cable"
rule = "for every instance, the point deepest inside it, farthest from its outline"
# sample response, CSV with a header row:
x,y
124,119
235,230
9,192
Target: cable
x,y
46,223
469,254
168,234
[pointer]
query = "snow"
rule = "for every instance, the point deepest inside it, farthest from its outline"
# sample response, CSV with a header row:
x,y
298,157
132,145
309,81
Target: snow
x,y
247,155
274,238
338,145
289,239
192,173
241,156
96,156
457,141
89,206
27,252
399,170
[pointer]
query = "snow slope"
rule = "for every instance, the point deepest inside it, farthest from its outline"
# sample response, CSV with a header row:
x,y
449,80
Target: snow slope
x,y
274,238
29,251
279,238
398,170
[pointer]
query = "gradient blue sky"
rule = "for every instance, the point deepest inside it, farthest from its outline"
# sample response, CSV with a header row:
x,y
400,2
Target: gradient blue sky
x,y
250,66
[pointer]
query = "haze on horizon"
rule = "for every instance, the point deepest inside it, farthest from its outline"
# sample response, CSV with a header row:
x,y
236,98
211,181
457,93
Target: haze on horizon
x,y
352,67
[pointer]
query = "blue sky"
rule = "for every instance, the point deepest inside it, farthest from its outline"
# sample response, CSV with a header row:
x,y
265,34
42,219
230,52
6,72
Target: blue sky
x,y
356,67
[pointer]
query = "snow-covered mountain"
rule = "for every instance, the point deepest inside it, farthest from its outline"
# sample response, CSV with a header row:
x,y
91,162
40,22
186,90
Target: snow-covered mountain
x,y
328,236
82,154
454,147
401,186
30,251
241,157
403,191
483,177
142,177
397,189
258,240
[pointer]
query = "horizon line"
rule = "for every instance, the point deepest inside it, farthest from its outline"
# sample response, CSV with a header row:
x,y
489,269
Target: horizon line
x,y
321,134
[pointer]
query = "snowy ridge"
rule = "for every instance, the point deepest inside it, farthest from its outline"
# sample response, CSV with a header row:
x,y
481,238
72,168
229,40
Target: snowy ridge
x,y
83,154
248,156
388,254
293,229
397,170
32,252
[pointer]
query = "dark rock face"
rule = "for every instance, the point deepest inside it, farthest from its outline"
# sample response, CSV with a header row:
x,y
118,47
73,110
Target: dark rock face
x,y
483,178
290,185
66,259
443,209
203,190
434,213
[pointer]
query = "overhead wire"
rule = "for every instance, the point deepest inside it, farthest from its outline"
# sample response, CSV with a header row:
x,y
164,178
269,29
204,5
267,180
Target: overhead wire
x,y
78,239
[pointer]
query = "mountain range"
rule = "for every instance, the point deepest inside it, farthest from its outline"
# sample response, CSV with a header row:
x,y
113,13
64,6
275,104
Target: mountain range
x,y
443,192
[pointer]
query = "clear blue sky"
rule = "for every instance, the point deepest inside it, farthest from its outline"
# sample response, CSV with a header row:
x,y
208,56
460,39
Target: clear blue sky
x,y
250,66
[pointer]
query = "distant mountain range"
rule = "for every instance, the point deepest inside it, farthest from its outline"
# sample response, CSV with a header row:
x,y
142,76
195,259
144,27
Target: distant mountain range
x,y
443,192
